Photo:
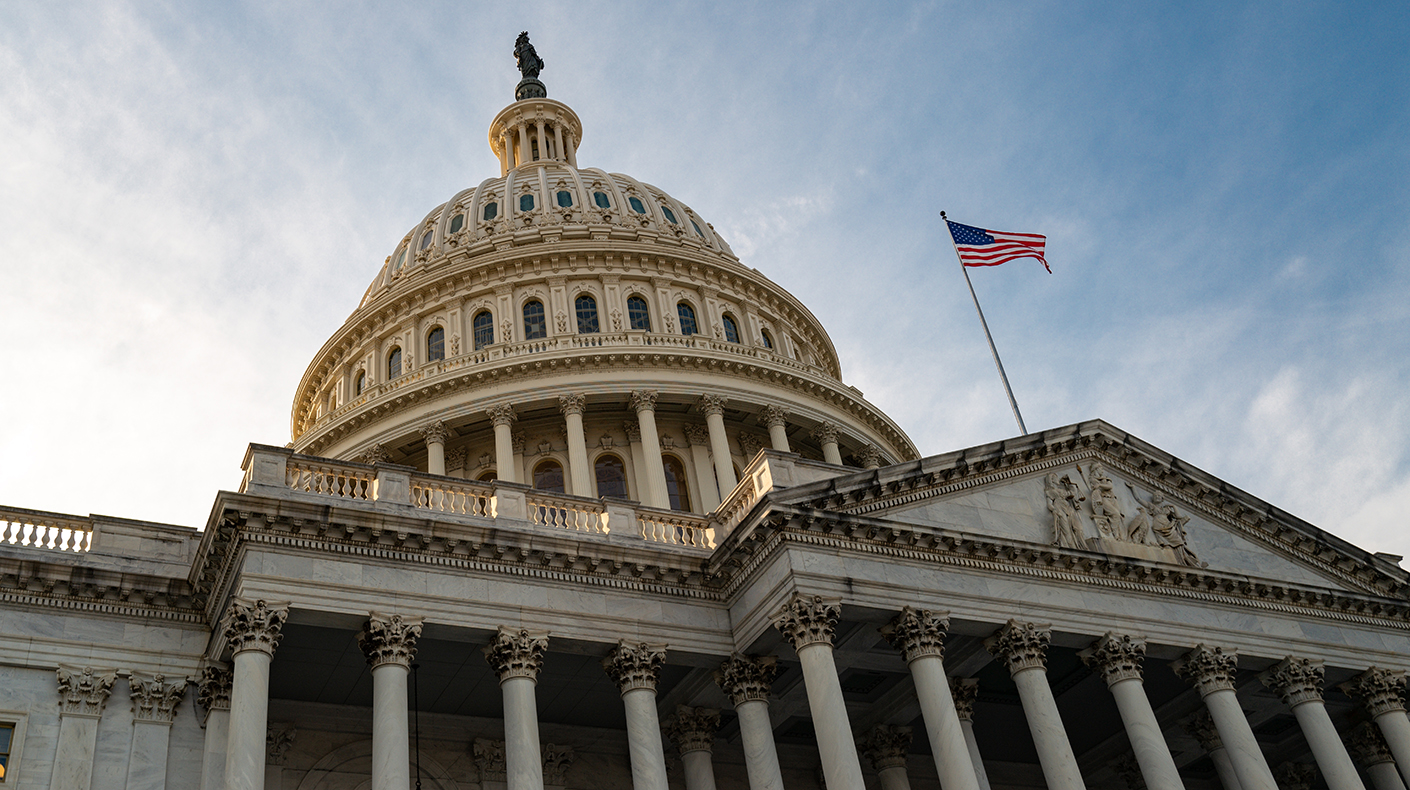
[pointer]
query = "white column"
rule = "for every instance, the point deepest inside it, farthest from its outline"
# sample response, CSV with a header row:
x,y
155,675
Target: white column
x,y
826,435
1118,658
389,643
579,474
1023,648
572,150
1299,682
154,701
526,154
543,143
503,418
213,696
699,438
644,404
517,657
920,636
693,730
714,408
1380,691
1202,728
809,623
776,419
632,428
435,435
635,667
558,141
886,748
1211,670
252,630
1371,749
964,691
746,682
82,695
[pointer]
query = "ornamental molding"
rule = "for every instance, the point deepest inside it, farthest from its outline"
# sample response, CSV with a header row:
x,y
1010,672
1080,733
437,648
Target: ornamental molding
x,y
516,653
809,620
747,678
917,633
389,639
154,698
254,625
1295,680
1116,657
693,729
1208,669
1381,691
84,691
635,665
886,746
1021,646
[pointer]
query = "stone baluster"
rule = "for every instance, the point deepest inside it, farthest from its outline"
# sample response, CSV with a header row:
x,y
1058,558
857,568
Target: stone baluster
x,y
776,418
885,748
435,435
1299,682
253,630
826,435
643,402
1211,670
746,682
213,696
1201,728
714,408
154,701
579,473
1371,749
516,657
965,691
1118,658
699,438
389,643
920,636
635,669
1023,647
809,622
83,693
503,417
1382,692
693,731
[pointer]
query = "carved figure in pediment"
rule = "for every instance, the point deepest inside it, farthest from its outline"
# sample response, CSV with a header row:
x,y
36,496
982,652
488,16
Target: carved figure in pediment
x,y
1158,523
1063,502
1106,508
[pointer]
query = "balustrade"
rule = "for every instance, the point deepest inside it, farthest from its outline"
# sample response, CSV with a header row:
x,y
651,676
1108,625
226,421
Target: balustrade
x,y
466,499
566,513
45,531
338,480
678,529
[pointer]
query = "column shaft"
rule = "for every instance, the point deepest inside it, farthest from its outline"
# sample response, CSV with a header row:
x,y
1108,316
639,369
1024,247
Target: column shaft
x,y
705,475
77,746
942,725
1143,730
1395,728
521,735
504,452
756,733
543,144
249,721
146,760
778,437
841,767
1225,768
1249,764
973,744
525,153
656,495
1327,748
719,448
894,778
831,454
1384,776
558,141
391,753
435,457
699,771
1049,736
578,469
644,740
213,756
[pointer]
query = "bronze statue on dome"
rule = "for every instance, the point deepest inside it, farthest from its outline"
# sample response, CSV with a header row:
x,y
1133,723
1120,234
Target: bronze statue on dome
x,y
530,64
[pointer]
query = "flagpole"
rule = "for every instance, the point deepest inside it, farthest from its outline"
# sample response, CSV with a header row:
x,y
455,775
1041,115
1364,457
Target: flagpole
x,y
992,348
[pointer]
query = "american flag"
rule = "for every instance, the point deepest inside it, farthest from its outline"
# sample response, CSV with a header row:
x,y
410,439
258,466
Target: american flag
x,y
980,247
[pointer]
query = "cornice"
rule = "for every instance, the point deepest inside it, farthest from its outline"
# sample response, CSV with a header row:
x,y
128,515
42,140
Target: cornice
x,y
51,585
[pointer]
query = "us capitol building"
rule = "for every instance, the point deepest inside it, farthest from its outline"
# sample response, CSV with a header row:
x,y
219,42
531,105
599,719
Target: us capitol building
x,y
577,499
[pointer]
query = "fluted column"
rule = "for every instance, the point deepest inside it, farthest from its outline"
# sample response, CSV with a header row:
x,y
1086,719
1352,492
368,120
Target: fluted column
x,y
635,667
920,636
826,435
516,655
746,682
809,622
1382,691
885,748
252,629
558,141
83,693
632,429
1118,658
1212,670
213,696
699,438
503,417
965,690
1299,682
389,643
714,408
526,152
579,471
1201,728
776,418
154,701
644,404
435,435
693,731
1371,749
1023,647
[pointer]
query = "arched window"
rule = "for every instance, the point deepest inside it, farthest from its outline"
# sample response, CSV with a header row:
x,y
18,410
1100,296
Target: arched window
x,y
638,314
565,198
458,221
360,382
600,198
587,314
548,476
483,326
491,211
526,202
489,475
394,363
767,338
675,483
436,344
731,328
687,316
426,240
611,476
535,323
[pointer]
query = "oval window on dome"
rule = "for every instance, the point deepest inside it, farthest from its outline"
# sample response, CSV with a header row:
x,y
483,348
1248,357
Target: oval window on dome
x,y
600,198
458,221
526,202
669,215
731,328
565,198
491,211
637,205
698,231
426,240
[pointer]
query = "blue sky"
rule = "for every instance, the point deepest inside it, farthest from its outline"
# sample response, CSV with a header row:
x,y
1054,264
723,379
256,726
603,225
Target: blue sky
x,y
193,198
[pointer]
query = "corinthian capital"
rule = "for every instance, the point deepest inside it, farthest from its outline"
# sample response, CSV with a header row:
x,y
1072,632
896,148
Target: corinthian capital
x,y
254,625
213,687
1201,727
516,653
711,404
1021,646
964,691
697,435
435,433
870,457
84,692
154,699
1116,657
632,430
503,414
1369,745
771,416
1209,669
635,666
389,639
1296,680
1380,690
376,454
572,403
917,633
886,746
693,729
809,620
744,678
643,400
825,433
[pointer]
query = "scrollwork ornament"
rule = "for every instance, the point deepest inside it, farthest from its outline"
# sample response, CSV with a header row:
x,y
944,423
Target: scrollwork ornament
x,y
389,639
745,679
85,691
516,653
1296,680
154,698
1209,669
809,620
693,729
1116,657
254,625
635,665
886,746
917,633
1380,690
1021,646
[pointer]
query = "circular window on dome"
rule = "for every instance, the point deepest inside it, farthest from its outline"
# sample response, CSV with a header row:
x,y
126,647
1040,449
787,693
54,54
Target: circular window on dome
x,y
600,198
458,221
491,211
565,198
637,205
526,202
669,215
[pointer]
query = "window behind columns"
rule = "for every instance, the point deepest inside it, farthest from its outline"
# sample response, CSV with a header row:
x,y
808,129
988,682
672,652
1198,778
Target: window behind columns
x,y
394,363
675,483
361,383
731,328
611,476
535,324
548,476
687,317
483,326
587,314
639,314
436,345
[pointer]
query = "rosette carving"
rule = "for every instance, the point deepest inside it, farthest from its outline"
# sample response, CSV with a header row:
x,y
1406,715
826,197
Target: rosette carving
x,y
1380,690
154,699
516,653
886,746
1209,669
693,729
1021,646
84,691
917,633
635,666
809,620
254,625
389,639
964,691
744,678
1116,657
213,687
1296,680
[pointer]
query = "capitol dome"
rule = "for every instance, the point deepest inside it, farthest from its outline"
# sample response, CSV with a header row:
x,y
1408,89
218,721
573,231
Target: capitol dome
x,y
582,332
